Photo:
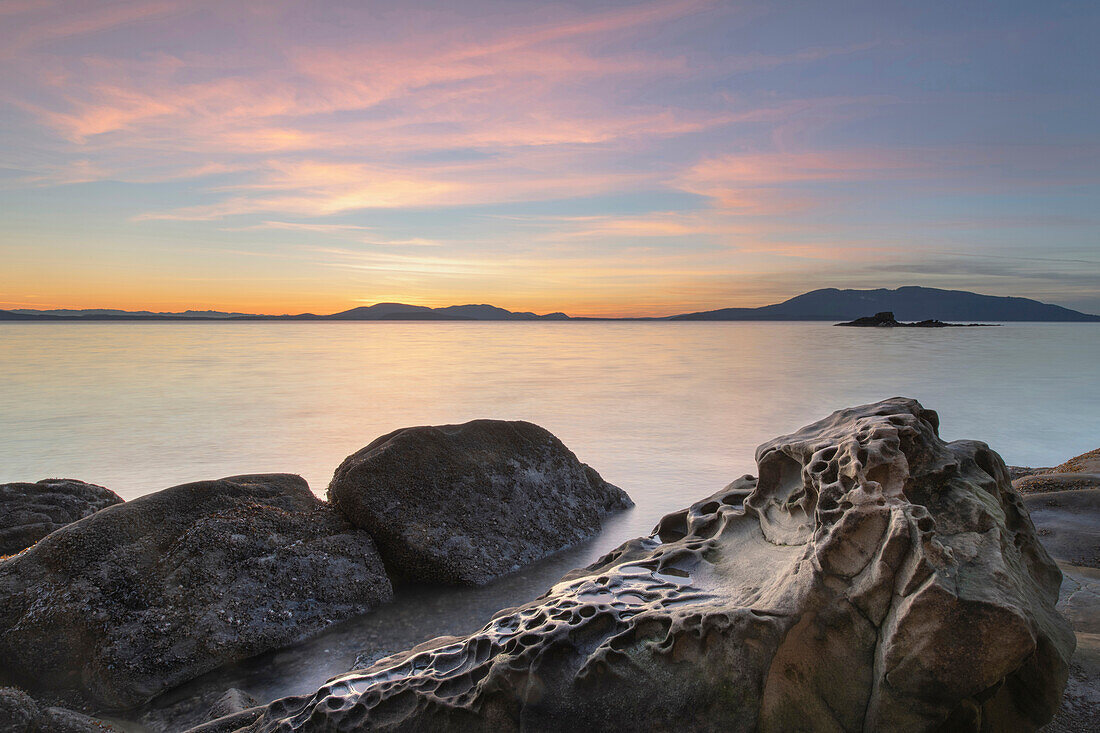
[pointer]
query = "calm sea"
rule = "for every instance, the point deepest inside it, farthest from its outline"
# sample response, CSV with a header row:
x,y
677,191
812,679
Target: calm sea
x,y
669,411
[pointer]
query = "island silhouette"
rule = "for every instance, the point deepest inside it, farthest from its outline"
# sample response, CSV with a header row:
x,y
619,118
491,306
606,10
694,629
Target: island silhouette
x,y
910,303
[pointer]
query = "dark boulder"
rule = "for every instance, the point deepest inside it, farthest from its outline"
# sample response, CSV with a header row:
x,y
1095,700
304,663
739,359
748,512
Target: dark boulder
x,y
463,504
20,713
29,512
144,595
886,319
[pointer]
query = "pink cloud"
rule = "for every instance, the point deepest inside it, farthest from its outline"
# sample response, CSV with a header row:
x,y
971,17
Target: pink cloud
x,y
60,20
321,188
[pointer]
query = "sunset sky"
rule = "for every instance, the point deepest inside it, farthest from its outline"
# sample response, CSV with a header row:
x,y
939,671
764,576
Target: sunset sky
x,y
601,158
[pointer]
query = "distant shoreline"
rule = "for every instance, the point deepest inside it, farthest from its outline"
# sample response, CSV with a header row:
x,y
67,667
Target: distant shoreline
x,y
910,303
518,322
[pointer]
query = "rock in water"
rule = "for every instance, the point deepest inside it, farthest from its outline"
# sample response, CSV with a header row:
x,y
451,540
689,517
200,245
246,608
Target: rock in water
x,y
463,504
147,594
19,713
29,512
231,703
874,578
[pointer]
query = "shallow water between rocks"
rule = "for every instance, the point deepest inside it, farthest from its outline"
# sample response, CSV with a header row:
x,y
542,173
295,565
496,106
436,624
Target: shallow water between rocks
x,y
669,411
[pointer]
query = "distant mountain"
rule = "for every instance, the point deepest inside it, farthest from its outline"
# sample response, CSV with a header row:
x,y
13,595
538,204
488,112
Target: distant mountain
x,y
829,304
908,304
402,312
379,312
114,312
17,316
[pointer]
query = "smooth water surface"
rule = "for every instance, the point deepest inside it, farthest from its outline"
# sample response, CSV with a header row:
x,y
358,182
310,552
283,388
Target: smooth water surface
x,y
669,411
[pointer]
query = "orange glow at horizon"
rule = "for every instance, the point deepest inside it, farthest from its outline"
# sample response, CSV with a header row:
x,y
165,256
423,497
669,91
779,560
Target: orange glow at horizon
x,y
269,304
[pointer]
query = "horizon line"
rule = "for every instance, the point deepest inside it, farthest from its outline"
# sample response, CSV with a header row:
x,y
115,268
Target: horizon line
x,y
235,314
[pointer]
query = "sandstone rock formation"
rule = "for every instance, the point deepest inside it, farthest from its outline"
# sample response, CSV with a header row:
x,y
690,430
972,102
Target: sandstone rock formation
x,y
1064,503
463,504
1068,523
1079,472
147,594
29,512
874,578
1080,602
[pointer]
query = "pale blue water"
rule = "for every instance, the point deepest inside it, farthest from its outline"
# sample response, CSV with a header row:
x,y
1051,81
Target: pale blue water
x,y
669,411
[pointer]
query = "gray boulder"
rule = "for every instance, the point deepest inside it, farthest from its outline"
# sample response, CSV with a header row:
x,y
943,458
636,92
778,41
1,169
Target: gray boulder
x,y
29,512
463,504
144,595
874,578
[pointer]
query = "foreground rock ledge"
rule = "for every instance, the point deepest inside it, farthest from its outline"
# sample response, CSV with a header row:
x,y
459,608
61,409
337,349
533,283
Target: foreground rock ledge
x,y
20,713
875,578
463,504
30,511
144,595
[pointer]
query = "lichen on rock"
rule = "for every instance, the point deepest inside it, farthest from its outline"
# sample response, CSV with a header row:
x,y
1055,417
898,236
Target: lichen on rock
x,y
30,511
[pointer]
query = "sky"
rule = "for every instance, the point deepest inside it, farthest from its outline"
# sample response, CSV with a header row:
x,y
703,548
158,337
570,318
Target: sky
x,y
597,158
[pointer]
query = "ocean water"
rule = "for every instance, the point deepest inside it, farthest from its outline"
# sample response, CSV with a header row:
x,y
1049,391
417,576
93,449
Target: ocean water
x,y
671,412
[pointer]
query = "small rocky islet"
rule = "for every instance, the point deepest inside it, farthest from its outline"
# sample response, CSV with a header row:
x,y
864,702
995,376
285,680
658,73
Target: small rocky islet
x,y
871,577
885,319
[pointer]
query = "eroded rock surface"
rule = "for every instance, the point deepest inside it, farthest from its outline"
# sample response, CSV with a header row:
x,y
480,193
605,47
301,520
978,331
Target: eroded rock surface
x,y
145,595
463,504
30,511
874,578
1080,602
1064,502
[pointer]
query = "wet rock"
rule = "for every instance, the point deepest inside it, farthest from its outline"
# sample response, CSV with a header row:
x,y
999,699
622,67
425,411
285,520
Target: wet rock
x,y
1068,524
29,512
1065,507
233,701
1080,602
873,578
20,713
463,504
1019,472
1064,503
145,595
